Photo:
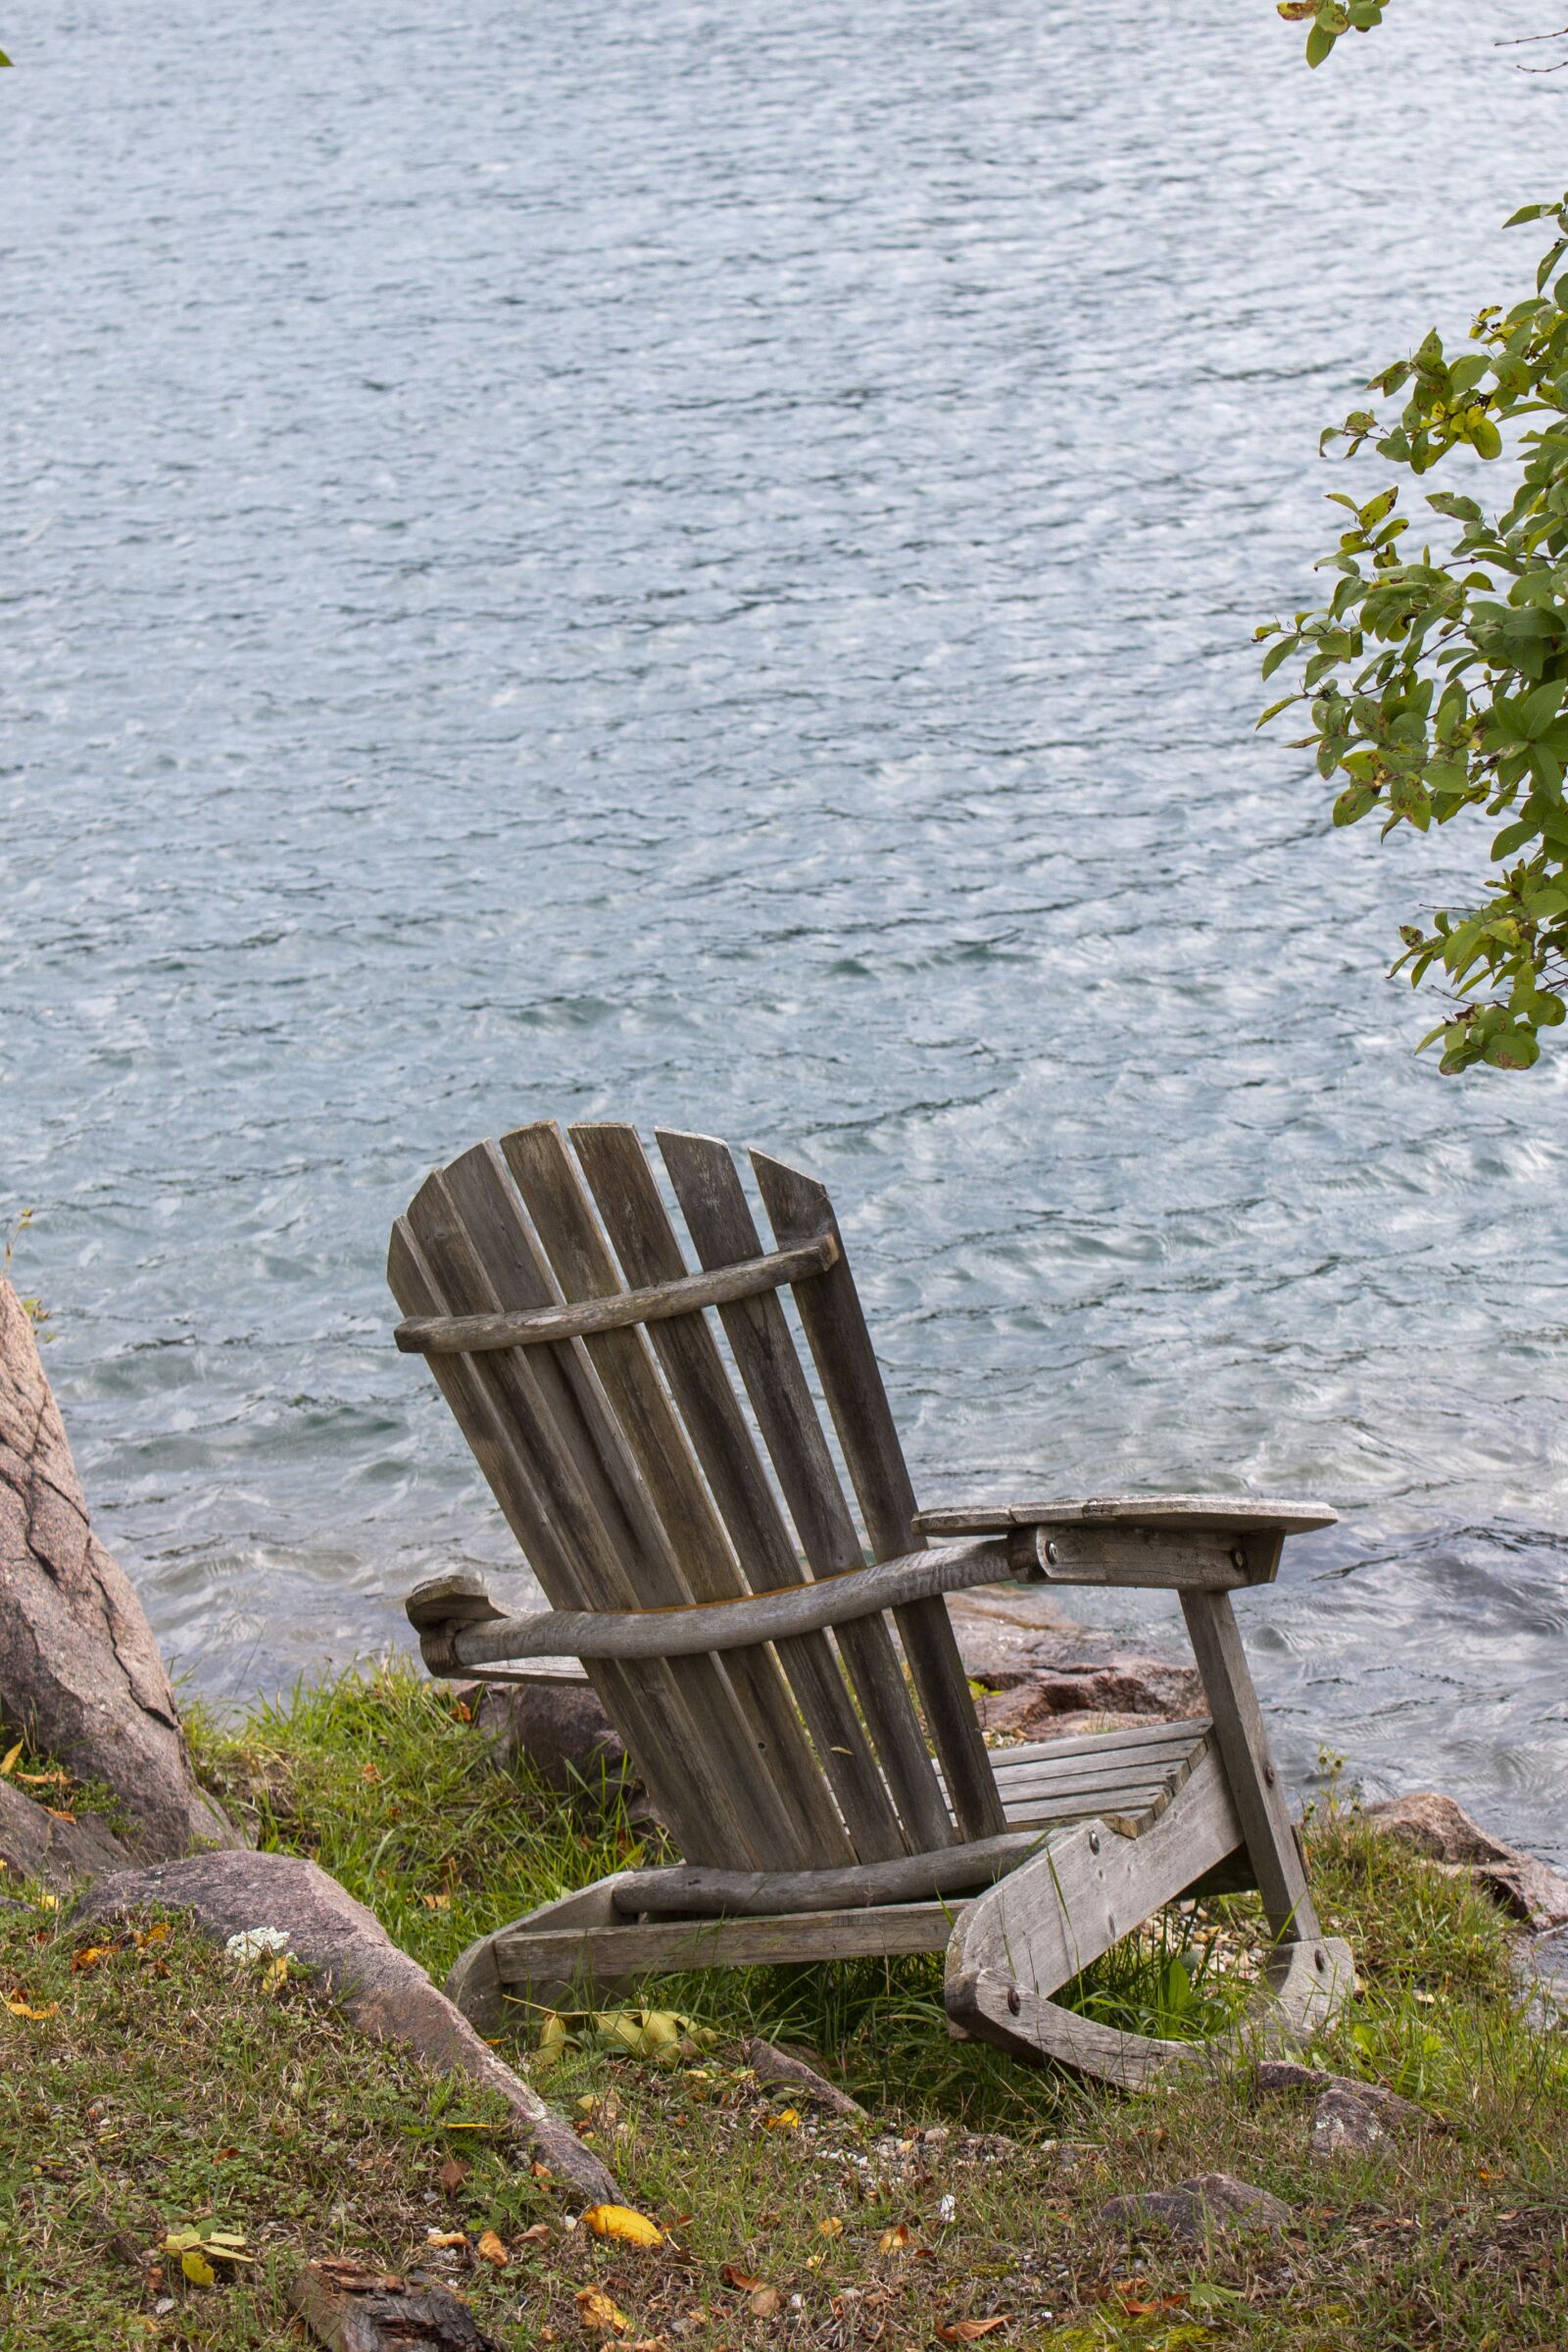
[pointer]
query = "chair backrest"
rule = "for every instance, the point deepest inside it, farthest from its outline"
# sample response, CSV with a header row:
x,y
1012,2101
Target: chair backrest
x,y
631,1474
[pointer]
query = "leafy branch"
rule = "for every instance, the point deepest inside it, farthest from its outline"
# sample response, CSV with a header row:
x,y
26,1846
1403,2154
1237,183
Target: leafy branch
x,y
1437,683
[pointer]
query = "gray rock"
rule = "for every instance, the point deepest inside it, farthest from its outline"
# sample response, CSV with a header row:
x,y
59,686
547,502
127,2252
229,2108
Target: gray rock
x,y
35,1844
79,1670
377,1987
1346,2123
1336,2096
562,1731
1197,2208
1540,1970
1439,1828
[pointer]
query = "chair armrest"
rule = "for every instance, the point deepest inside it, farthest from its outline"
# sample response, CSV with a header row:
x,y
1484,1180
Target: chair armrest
x,y
1182,1542
473,1633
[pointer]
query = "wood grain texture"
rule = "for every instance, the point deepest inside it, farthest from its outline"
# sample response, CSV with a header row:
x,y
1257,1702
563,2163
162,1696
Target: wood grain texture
x,y
800,1819
475,1335
1254,1780
510,1406
835,1327
723,1230
634,1215
682,1892
1216,1512
1150,1558
1305,1986
1046,1922
665,1948
718,1626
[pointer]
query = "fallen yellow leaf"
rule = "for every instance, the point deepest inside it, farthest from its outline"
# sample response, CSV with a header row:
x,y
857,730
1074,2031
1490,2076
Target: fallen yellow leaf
x,y
623,2223
894,2242
21,2008
197,2269
785,2121
491,2250
89,1957
830,2226
598,2315
9,1759
275,1974
446,2237
158,1932
436,1902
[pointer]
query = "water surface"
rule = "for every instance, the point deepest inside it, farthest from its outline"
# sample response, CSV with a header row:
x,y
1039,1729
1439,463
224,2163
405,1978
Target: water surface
x,y
698,564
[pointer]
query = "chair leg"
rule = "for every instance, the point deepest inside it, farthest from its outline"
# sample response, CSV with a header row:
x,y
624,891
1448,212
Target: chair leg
x,y
1027,1936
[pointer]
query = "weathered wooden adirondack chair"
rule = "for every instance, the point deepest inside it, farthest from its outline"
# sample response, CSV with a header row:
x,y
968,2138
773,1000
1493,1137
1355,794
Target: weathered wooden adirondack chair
x,y
717,1590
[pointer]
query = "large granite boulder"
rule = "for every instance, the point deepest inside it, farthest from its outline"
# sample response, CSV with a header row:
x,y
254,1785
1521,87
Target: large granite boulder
x,y
79,1670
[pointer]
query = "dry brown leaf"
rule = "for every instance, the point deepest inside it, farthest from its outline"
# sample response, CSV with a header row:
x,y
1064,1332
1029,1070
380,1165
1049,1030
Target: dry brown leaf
x,y
453,2175
733,2275
536,2234
370,1773
446,2237
830,2226
60,1812
893,2240
969,2332
624,2224
491,2250
598,2315
765,2301
436,1902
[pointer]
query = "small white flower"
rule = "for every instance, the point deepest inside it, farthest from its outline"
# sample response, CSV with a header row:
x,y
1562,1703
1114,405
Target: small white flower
x,y
258,1944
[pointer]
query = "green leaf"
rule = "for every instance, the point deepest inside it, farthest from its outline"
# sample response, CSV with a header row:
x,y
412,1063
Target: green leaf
x,y
1513,1050
1318,44
1353,803
1513,837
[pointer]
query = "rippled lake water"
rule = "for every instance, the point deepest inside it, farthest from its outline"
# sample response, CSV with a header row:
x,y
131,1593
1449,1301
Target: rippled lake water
x,y
699,564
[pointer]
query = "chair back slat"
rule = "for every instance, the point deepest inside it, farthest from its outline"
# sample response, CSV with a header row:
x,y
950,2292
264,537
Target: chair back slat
x,y
790,1789
720,1221
630,1203
835,1327
505,1427
569,1479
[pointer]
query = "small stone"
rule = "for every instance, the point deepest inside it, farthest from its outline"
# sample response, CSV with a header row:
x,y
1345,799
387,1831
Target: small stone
x,y
560,1728
1540,1970
1194,2209
1345,2123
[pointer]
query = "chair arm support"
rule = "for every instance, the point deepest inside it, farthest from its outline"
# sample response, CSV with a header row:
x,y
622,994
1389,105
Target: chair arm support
x,y
1175,1542
454,1639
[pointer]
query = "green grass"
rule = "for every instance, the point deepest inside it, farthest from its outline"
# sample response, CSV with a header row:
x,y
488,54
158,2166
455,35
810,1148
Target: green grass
x,y
164,2089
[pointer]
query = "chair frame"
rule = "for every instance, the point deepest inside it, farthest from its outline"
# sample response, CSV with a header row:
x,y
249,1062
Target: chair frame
x,y
564,1367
